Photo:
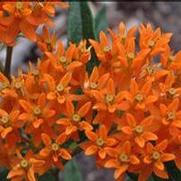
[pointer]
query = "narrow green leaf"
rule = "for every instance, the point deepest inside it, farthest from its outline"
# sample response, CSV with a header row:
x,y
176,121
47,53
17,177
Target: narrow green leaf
x,y
74,23
72,172
101,22
87,21
48,176
80,22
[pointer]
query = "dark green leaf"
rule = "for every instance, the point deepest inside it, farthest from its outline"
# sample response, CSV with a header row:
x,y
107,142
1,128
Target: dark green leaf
x,y
74,23
87,21
72,172
101,22
80,22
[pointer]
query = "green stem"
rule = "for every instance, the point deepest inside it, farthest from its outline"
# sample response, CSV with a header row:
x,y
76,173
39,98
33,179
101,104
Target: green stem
x,y
7,69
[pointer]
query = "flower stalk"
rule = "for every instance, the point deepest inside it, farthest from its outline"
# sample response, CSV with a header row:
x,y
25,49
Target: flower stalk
x,y
7,69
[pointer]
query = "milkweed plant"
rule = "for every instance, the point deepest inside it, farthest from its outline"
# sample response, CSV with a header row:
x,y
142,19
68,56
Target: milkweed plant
x,y
113,95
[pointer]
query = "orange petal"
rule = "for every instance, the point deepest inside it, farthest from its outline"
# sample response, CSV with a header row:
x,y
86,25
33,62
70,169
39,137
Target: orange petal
x,y
91,150
44,152
37,123
167,157
126,130
112,164
31,174
28,30
140,141
118,172
65,154
84,109
15,173
6,131
70,129
91,135
159,165
149,136
46,139
61,138
134,160
102,153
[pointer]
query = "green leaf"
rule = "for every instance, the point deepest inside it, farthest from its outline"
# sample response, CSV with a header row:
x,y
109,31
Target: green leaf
x,y
74,23
48,176
3,174
87,21
101,22
80,22
72,172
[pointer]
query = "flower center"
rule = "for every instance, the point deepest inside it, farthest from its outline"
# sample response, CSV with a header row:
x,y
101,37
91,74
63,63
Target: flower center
x,y
55,147
76,118
139,97
130,56
171,116
172,91
123,157
139,129
19,5
18,85
36,111
156,155
60,87
151,44
150,70
5,119
106,48
63,59
24,163
93,85
100,142
109,98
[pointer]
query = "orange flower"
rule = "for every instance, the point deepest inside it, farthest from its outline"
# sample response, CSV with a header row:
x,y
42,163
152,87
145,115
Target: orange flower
x,y
109,99
36,113
168,89
122,160
103,49
141,131
18,13
9,122
98,142
153,40
155,157
95,81
74,119
140,97
170,114
63,60
61,90
25,168
53,149
46,42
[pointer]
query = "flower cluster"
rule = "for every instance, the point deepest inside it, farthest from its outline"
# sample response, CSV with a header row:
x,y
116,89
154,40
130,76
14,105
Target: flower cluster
x,y
24,17
126,112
